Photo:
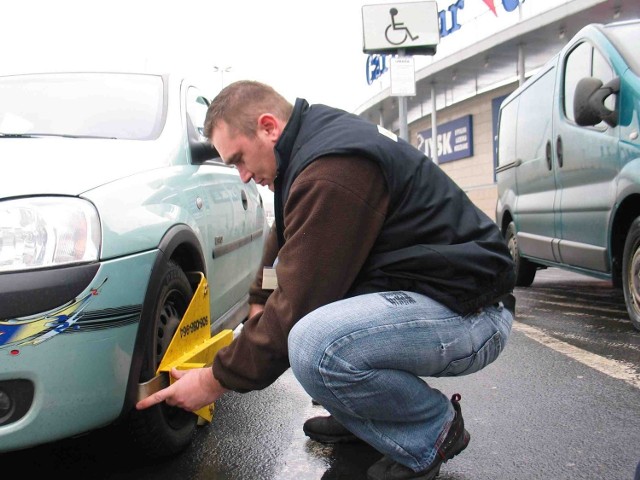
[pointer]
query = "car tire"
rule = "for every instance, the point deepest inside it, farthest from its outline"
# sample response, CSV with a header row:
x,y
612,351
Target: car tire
x,y
631,273
161,430
524,269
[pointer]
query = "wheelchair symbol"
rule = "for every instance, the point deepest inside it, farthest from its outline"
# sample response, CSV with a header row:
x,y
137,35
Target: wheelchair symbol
x,y
397,33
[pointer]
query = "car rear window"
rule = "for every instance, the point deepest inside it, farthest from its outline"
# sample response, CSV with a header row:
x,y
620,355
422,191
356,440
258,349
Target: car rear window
x,y
122,106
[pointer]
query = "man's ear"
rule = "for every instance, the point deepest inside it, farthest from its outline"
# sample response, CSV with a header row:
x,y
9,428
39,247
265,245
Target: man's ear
x,y
270,125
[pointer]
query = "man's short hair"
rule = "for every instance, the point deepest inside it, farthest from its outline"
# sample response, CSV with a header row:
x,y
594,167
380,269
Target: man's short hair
x,y
241,103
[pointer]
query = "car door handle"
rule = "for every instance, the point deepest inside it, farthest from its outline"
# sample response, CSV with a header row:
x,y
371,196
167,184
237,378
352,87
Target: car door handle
x,y
245,203
559,150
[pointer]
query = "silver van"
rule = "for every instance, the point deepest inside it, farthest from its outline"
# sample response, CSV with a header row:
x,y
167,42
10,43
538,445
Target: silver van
x,y
568,169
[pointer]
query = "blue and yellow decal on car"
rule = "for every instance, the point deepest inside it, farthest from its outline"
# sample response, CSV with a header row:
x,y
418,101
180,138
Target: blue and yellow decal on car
x,y
35,329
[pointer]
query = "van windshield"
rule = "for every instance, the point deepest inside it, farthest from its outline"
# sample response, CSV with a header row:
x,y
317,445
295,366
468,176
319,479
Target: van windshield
x,y
94,105
626,38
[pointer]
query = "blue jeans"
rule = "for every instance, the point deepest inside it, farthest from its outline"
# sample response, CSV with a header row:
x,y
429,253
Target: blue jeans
x,y
362,359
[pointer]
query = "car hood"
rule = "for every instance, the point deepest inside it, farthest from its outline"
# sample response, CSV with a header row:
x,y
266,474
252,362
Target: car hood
x,y
71,166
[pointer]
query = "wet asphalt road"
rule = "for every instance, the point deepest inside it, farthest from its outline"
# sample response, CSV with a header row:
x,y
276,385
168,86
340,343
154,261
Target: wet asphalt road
x,y
562,402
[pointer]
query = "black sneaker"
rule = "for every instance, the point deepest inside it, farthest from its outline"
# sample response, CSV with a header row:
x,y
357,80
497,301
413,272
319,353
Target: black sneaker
x,y
455,441
328,430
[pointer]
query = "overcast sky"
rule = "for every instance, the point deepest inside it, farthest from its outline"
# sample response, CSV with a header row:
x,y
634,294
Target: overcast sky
x,y
310,49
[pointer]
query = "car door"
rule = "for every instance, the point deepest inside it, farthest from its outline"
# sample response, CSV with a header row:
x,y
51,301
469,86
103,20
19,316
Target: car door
x,y
217,187
587,166
233,221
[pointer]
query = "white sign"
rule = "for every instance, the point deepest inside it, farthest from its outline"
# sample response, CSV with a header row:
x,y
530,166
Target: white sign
x,y
393,26
403,77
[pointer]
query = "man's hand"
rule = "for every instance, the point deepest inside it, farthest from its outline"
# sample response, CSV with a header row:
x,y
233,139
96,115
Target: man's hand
x,y
192,390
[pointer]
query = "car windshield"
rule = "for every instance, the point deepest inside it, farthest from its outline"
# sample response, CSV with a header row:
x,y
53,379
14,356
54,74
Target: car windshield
x,y
95,105
626,37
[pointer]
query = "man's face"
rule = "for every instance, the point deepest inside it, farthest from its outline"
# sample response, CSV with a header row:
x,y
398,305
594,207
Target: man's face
x,y
253,157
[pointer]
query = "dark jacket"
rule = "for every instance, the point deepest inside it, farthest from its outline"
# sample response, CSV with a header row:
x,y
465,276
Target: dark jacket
x,y
434,240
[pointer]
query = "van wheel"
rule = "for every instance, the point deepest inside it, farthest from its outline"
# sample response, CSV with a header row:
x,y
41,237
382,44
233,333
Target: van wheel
x,y
631,273
162,430
525,270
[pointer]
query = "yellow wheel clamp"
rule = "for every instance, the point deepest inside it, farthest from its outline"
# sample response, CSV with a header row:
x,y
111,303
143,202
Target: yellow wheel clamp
x,y
192,346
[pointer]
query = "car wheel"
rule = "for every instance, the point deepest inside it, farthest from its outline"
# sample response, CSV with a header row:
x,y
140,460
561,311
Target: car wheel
x,y
525,270
631,273
162,430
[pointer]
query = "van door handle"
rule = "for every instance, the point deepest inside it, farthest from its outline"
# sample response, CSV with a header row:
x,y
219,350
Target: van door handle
x,y
559,150
548,152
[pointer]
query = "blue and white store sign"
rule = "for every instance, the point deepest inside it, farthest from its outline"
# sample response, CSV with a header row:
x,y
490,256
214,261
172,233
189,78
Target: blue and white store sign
x,y
453,141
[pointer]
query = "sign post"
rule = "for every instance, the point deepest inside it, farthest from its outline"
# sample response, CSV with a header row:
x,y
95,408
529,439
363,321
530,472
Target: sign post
x,y
403,83
401,28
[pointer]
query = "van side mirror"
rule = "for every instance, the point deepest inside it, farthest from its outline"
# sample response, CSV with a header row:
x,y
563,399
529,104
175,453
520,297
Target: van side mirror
x,y
588,102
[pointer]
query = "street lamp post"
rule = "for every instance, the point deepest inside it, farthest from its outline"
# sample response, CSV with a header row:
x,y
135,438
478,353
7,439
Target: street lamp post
x,y
221,70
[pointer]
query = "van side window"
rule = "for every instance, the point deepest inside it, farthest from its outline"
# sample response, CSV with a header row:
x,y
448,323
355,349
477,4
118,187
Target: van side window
x,y
585,61
507,133
603,71
577,66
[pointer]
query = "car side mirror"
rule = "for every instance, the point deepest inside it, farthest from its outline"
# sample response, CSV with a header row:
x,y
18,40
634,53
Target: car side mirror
x,y
201,150
588,102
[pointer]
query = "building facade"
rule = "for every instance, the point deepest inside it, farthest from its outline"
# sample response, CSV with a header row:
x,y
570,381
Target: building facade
x,y
487,49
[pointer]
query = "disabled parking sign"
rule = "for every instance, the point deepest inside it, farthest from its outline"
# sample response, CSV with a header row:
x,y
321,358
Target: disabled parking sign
x,y
412,27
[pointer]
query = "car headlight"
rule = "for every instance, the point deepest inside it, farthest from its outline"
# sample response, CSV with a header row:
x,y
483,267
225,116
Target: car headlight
x,y
40,232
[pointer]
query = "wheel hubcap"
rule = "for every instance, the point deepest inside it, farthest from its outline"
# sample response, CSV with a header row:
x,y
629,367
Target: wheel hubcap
x,y
169,320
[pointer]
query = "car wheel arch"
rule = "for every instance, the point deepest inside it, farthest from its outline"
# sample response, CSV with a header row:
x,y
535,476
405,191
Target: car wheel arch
x,y
504,223
181,245
623,216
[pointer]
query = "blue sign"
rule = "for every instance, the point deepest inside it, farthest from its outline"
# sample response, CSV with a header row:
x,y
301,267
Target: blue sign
x,y
454,140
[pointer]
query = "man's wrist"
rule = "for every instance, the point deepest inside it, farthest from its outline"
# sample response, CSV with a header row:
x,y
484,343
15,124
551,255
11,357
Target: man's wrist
x,y
213,384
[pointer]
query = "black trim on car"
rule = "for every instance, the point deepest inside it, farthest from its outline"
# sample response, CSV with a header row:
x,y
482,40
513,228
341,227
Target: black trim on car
x,y
35,291
221,250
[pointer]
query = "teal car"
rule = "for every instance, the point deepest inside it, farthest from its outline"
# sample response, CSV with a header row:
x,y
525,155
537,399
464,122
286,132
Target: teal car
x,y
111,200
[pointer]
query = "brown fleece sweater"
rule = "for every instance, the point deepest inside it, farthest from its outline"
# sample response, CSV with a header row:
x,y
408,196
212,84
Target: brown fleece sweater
x,y
335,211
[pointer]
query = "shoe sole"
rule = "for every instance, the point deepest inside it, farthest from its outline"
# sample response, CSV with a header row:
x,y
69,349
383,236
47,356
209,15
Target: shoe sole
x,y
331,439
